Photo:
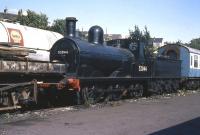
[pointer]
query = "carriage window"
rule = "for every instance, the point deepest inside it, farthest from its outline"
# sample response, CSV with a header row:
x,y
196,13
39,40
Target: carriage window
x,y
195,61
191,61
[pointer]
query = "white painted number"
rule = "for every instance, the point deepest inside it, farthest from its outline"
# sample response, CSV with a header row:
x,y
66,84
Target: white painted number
x,y
63,52
142,68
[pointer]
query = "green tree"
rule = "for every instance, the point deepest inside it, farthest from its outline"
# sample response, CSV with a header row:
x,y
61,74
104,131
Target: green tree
x,y
33,19
58,26
195,43
146,35
137,36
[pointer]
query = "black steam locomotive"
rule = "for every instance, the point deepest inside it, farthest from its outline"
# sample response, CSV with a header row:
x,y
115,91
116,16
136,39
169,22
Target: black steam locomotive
x,y
114,70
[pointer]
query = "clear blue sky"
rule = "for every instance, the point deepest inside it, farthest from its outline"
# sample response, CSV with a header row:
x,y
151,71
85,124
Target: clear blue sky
x,y
171,19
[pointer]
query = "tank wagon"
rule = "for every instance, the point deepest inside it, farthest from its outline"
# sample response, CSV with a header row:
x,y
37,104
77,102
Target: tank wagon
x,y
37,42
24,63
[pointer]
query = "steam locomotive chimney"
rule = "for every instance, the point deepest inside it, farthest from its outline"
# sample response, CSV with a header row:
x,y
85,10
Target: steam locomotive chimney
x,y
95,35
71,26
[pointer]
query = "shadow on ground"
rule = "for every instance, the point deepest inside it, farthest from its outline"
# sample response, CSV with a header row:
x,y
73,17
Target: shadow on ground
x,y
191,127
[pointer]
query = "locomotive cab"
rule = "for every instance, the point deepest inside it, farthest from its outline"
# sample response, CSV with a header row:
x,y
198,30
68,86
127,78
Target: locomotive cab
x,y
141,66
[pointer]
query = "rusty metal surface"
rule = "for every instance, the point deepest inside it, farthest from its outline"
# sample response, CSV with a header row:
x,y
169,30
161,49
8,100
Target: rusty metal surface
x,y
33,67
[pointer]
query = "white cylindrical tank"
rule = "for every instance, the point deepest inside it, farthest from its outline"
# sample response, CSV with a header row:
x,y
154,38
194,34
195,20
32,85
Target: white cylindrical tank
x,y
29,37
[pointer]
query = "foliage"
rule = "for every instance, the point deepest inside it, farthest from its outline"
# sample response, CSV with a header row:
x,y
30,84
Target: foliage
x,y
33,19
146,35
139,36
195,43
58,26
150,51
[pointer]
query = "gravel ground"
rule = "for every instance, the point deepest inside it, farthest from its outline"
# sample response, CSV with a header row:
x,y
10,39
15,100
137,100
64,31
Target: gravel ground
x,y
174,114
